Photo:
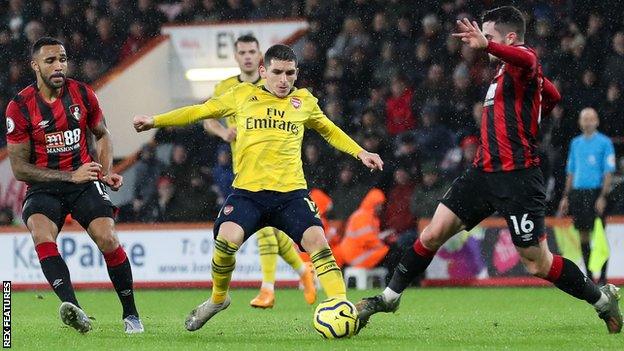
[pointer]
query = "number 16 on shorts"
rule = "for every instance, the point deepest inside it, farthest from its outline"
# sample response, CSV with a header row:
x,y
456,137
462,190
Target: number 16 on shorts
x,y
523,227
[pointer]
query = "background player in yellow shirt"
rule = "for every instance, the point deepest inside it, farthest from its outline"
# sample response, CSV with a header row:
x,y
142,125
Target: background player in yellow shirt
x,y
271,241
269,187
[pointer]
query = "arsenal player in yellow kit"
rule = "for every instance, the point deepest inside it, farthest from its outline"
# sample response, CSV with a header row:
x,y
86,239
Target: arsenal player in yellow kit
x,y
269,186
271,242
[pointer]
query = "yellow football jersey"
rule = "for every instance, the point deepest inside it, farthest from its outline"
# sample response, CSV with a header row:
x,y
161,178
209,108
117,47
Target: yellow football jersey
x,y
269,133
227,84
222,87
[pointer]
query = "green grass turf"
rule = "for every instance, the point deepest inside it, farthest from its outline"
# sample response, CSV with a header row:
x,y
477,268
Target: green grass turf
x,y
429,319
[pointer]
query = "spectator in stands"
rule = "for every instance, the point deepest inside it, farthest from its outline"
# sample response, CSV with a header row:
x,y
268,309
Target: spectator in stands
x,y
459,159
235,10
611,111
351,37
427,195
434,140
148,169
370,122
433,34
386,66
179,168
397,214
317,168
133,211
148,14
310,67
399,116
105,47
404,37
614,66
136,38
70,16
408,157
433,91
209,11
380,32
188,12
347,192
262,9
6,216
161,207
457,113
357,69
196,202
222,172
90,70
362,245
588,93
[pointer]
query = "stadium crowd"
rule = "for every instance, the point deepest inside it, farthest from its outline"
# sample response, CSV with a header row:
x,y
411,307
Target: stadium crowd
x,y
387,72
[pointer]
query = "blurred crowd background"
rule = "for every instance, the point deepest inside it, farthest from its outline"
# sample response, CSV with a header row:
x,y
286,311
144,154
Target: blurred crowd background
x,y
387,72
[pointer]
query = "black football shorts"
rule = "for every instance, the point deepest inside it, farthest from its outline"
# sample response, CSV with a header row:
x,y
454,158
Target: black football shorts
x,y
518,196
292,212
85,202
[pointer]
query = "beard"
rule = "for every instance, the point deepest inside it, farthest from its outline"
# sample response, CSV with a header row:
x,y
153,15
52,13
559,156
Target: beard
x,y
53,84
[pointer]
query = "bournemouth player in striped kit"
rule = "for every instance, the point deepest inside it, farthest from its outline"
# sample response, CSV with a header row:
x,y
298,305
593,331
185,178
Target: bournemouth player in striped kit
x,y
505,177
47,133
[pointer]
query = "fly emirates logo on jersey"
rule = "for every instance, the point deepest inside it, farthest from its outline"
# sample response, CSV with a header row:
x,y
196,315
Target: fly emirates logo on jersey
x,y
62,141
274,120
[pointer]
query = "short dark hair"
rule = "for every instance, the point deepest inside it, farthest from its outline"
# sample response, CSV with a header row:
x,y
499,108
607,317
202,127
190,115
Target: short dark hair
x,y
507,16
280,52
247,38
44,41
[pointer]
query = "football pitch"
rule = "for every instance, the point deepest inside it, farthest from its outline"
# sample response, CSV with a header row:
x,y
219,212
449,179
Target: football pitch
x,y
429,319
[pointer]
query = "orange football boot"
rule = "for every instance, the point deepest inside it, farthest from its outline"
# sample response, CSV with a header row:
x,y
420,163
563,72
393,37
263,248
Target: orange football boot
x,y
307,280
265,299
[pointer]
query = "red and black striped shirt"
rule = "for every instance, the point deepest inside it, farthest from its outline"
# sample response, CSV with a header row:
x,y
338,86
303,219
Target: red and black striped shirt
x,y
511,112
56,131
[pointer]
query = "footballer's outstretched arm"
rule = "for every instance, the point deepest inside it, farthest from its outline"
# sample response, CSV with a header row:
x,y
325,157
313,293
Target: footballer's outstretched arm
x,y
23,170
337,138
222,106
518,56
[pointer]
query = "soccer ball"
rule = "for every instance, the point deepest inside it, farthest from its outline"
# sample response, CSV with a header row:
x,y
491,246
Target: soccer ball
x,y
336,318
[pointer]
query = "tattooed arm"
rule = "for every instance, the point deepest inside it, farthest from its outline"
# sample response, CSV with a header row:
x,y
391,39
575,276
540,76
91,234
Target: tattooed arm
x,y
19,156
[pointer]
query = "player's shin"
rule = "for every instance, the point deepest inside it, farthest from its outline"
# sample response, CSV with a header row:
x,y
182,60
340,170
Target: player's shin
x,y
328,273
223,263
568,277
120,273
268,247
287,251
414,262
56,272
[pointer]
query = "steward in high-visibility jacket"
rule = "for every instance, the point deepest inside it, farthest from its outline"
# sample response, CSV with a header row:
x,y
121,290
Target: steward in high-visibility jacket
x,y
361,246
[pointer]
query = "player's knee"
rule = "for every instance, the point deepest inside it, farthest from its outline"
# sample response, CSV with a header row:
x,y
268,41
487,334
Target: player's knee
x,y
313,239
107,242
42,229
232,232
537,267
432,238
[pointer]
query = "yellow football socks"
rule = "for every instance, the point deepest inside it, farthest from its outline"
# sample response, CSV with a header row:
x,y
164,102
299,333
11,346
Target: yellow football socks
x,y
223,262
288,251
268,247
328,273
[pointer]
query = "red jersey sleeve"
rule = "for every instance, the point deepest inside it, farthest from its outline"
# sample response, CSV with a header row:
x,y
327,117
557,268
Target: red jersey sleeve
x,y
550,96
95,112
518,56
16,124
